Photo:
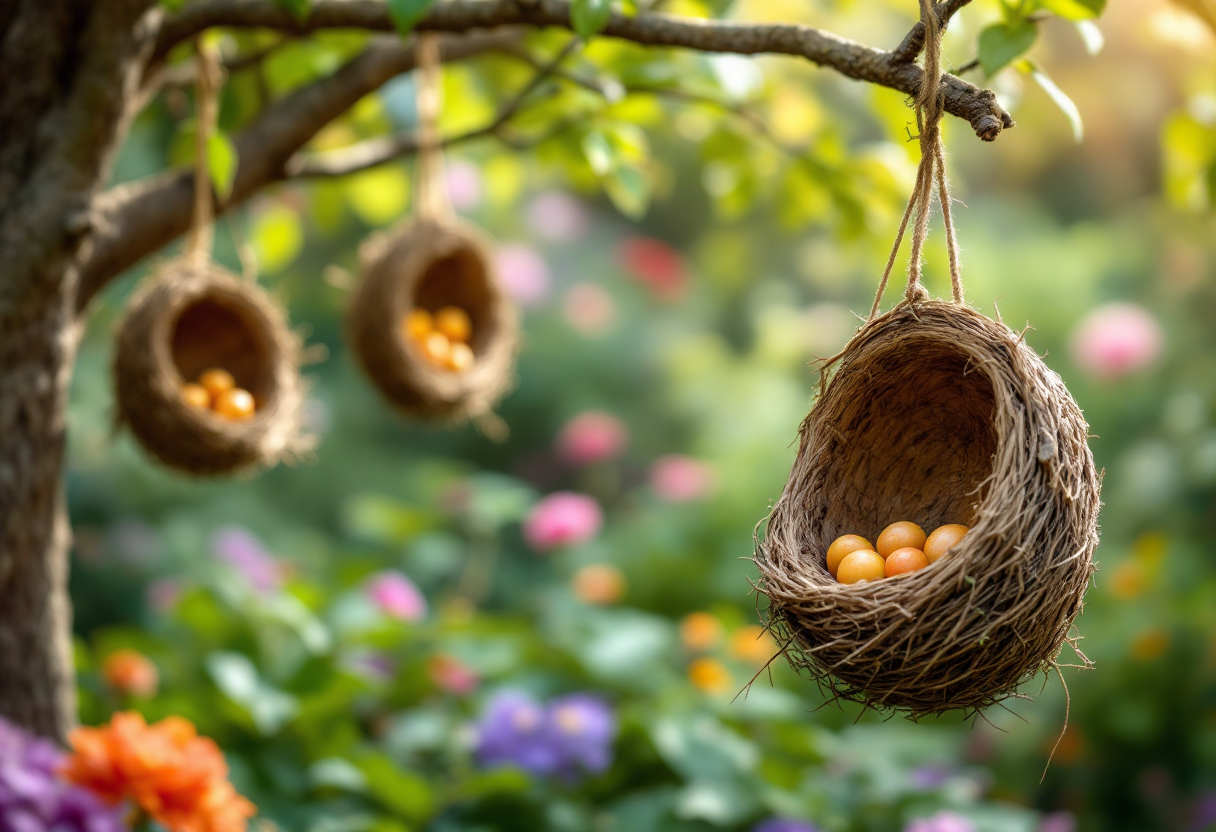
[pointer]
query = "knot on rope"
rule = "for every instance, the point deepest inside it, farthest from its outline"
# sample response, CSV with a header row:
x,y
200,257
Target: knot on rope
x,y
916,293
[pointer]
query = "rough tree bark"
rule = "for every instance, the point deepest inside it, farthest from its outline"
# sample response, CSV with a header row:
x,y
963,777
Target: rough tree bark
x,y
73,73
69,69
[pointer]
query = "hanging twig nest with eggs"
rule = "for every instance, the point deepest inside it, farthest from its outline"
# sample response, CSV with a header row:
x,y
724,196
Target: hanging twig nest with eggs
x,y
430,323
937,415
207,372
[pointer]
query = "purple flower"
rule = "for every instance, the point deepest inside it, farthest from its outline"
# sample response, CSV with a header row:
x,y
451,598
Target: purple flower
x,y
556,215
514,731
570,736
524,273
784,825
238,547
464,184
582,728
1205,811
396,596
926,778
1058,822
941,822
34,799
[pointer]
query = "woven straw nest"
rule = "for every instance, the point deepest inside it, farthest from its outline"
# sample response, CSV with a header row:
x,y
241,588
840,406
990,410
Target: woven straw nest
x,y
186,319
431,264
936,414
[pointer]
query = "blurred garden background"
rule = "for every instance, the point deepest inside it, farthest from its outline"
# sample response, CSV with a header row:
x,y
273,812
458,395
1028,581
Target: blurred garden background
x,y
422,629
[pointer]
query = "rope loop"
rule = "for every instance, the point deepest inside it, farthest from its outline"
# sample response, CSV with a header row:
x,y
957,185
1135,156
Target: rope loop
x,y
931,172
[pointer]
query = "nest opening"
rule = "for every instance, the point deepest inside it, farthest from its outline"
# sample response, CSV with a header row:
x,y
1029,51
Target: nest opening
x,y
918,441
211,332
460,279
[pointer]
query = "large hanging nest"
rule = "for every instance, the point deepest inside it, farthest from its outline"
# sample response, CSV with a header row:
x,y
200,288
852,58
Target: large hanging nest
x,y
936,414
431,264
190,317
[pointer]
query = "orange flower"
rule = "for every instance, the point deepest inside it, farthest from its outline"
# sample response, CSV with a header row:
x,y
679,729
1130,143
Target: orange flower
x,y
709,675
753,645
700,631
599,583
166,769
130,672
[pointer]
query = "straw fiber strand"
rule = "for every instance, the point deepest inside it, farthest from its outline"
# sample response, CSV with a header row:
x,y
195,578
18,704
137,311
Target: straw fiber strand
x,y
431,263
935,414
191,316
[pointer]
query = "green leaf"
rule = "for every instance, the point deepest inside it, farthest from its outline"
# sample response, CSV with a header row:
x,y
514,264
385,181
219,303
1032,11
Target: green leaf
x,y
1066,105
589,17
629,190
277,237
601,155
221,163
1074,9
1001,43
407,13
401,792
300,9
237,677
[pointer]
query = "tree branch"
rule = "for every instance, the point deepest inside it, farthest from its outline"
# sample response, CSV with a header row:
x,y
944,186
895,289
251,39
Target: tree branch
x,y
377,151
138,218
914,41
854,60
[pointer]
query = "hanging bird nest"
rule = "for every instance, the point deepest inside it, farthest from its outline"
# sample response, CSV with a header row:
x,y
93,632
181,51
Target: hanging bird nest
x,y
191,317
431,264
936,414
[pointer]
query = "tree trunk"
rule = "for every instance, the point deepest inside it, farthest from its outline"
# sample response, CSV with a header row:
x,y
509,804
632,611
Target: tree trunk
x,y
69,74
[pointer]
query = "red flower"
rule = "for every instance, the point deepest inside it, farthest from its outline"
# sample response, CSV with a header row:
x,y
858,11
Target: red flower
x,y
657,265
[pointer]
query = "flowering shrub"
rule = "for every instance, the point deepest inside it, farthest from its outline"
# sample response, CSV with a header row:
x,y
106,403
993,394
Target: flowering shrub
x,y
33,798
166,770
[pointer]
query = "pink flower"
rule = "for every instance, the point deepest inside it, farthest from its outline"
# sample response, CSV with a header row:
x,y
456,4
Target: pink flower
x,y
396,596
592,436
556,215
656,265
452,675
464,185
1058,822
1116,340
589,309
562,519
681,479
524,273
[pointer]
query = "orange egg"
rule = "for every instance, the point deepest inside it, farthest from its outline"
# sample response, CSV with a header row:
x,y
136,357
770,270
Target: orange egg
x,y
437,349
216,381
943,539
454,323
862,565
236,404
900,535
841,546
417,324
460,358
905,560
196,395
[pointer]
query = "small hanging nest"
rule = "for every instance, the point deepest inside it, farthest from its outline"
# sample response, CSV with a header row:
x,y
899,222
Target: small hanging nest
x,y
431,264
936,414
193,316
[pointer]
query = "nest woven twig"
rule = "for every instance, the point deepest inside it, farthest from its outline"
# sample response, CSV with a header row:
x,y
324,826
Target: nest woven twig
x,y
935,414
432,263
191,316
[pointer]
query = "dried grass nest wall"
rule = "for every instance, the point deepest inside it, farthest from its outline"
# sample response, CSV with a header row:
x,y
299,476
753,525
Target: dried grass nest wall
x,y
191,317
432,264
937,414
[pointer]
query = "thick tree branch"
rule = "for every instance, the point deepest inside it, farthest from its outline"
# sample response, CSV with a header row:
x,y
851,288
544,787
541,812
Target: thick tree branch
x,y
138,218
863,63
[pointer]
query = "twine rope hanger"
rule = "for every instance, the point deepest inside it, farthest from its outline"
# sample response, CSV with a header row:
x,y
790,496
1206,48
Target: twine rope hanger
x,y
202,225
930,106
431,189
